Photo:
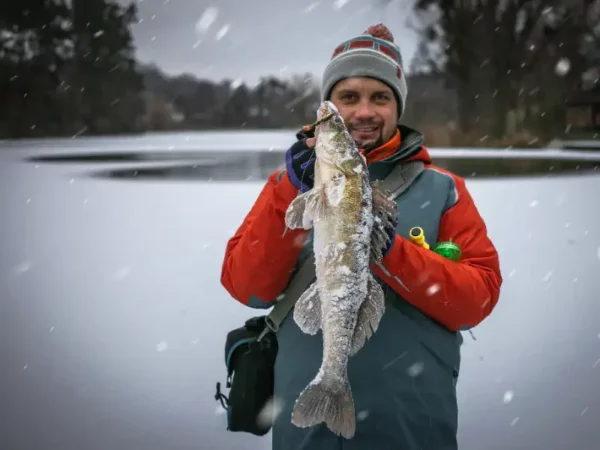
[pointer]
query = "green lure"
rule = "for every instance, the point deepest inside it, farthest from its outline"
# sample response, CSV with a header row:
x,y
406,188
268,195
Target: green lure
x,y
448,250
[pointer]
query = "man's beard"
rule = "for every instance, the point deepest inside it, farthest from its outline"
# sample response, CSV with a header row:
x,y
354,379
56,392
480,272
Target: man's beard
x,y
371,145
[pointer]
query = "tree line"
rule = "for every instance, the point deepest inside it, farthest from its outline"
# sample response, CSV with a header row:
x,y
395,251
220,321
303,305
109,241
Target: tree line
x,y
513,64
495,70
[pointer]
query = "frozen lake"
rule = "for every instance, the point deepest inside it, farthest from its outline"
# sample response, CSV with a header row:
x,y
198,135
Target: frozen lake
x,y
112,317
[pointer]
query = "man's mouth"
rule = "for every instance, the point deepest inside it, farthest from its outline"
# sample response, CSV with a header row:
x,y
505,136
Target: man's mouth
x,y
365,133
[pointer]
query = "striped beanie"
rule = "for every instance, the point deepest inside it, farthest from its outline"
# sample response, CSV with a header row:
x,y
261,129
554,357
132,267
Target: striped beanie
x,y
372,54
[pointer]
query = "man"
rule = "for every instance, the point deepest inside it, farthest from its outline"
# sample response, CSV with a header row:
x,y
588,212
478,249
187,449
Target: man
x,y
404,379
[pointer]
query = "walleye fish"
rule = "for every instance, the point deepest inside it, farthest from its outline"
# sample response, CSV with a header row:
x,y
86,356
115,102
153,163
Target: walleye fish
x,y
348,215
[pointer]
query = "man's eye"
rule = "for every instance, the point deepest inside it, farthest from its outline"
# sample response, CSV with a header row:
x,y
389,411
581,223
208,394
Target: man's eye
x,y
381,98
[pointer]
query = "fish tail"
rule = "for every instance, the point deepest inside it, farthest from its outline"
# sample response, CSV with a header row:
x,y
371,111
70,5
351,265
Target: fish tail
x,y
328,400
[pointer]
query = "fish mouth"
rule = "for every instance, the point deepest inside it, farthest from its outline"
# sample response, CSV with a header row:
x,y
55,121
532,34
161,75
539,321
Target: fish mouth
x,y
313,126
327,108
326,112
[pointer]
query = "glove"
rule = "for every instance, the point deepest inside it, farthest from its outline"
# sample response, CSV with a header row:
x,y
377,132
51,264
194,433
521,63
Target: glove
x,y
300,164
383,234
385,216
391,232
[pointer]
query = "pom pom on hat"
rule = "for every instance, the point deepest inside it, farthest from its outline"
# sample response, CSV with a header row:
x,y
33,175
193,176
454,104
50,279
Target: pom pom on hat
x,y
380,31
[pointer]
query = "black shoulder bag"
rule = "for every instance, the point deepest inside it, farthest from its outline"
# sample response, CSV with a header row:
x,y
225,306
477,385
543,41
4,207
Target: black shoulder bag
x,y
251,350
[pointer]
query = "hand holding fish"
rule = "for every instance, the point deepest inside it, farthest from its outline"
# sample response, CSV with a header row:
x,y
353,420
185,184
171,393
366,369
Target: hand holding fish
x,y
300,163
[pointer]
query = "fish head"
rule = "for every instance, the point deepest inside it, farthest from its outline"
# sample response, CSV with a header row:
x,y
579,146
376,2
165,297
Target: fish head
x,y
335,146
329,118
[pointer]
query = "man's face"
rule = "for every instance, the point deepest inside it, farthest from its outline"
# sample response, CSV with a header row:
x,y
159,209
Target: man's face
x,y
369,109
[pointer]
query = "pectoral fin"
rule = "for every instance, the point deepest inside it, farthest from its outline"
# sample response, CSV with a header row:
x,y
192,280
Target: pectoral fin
x,y
307,311
305,209
369,315
385,213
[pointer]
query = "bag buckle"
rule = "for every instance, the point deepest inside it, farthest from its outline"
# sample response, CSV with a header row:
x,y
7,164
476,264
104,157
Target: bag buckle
x,y
269,326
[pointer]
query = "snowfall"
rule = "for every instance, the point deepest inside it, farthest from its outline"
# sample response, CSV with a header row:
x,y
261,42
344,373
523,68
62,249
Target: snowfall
x,y
113,318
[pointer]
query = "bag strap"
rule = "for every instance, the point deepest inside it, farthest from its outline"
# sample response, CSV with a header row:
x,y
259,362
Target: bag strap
x,y
396,182
401,177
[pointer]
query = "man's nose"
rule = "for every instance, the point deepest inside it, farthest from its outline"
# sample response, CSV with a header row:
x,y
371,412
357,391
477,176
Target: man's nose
x,y
364,111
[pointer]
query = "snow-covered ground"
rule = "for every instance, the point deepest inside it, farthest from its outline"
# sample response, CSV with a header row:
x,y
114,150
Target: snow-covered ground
x,y
113,319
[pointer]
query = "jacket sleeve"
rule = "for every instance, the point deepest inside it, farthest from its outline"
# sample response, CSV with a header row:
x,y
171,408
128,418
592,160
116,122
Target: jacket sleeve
x,y
459,295
261,255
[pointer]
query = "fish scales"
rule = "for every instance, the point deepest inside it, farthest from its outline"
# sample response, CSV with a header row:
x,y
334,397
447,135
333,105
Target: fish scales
x,y
342,267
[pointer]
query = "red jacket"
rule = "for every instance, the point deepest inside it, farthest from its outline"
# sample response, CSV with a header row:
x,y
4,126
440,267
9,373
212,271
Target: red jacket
x,y
259,258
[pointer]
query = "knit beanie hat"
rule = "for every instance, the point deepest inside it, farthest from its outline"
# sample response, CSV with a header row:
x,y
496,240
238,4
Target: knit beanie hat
x,y
372,54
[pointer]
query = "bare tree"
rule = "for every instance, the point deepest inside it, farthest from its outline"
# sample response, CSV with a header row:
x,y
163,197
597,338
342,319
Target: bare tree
x,y
507,58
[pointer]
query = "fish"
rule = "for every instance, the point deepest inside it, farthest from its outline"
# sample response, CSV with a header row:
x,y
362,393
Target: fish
x,y
348,215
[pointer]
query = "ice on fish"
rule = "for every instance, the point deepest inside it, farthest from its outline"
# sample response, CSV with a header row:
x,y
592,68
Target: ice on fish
x,y
348,215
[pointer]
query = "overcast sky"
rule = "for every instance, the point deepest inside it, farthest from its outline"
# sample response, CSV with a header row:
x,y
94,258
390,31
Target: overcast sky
x,y
244,39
